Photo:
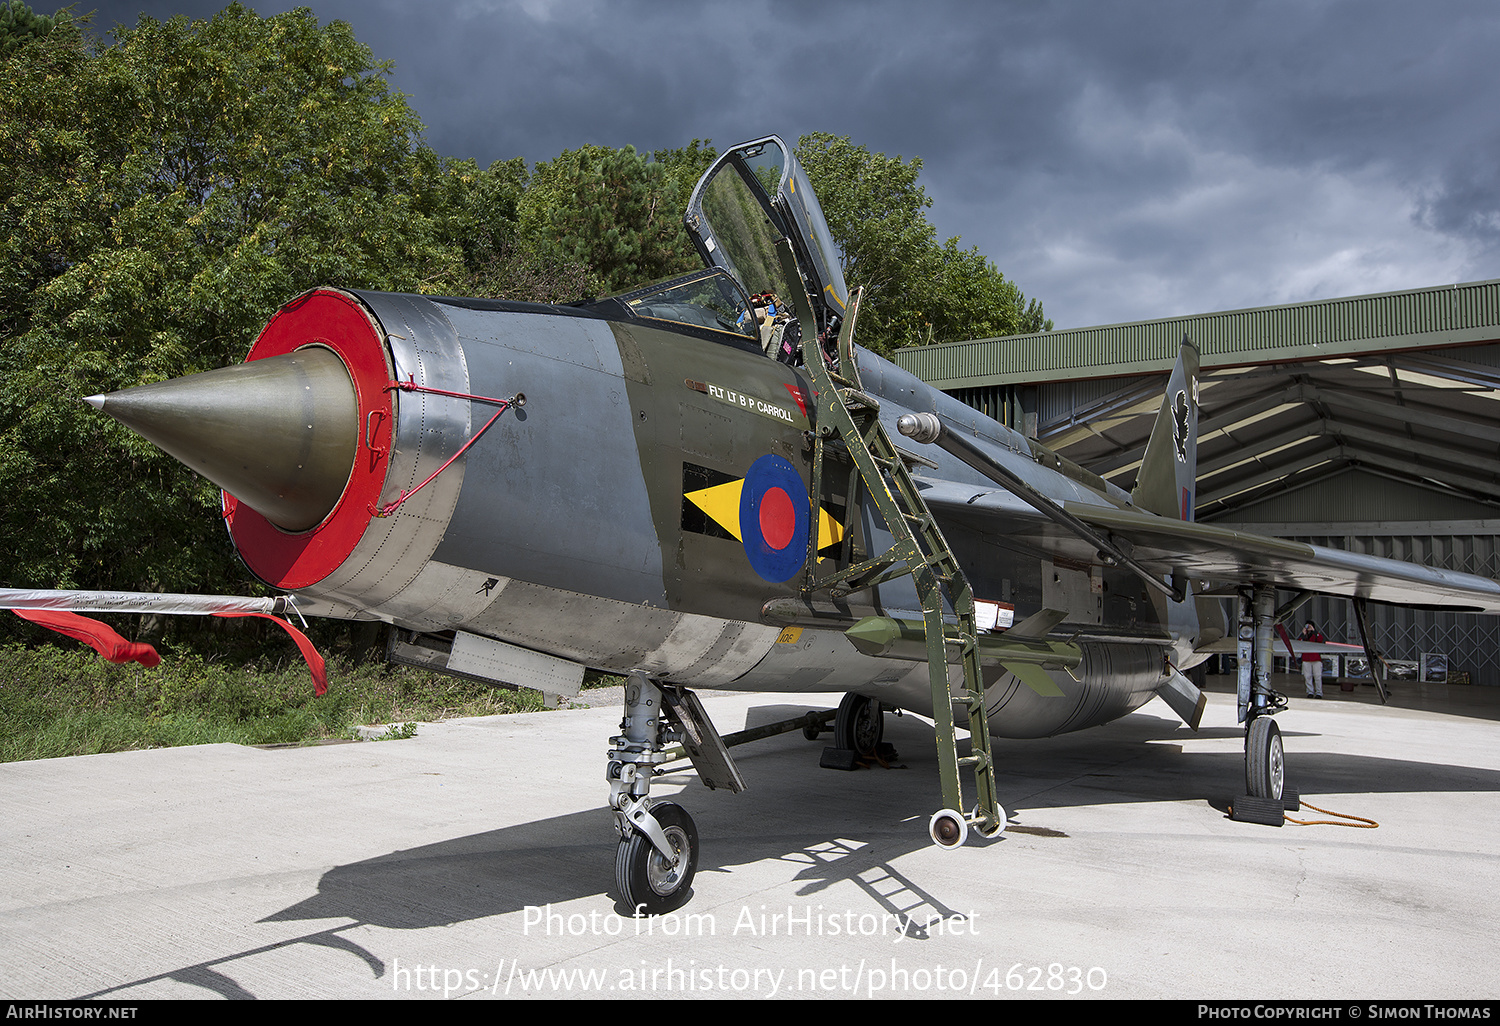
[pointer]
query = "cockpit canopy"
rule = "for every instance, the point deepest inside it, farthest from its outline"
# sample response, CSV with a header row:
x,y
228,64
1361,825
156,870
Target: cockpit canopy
x,y
753,195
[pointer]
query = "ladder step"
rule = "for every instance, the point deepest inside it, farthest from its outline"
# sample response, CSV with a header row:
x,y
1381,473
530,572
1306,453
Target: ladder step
x,y
918,550
853,395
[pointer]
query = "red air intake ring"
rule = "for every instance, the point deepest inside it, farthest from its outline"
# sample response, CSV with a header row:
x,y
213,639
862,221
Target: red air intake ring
x,y
336,321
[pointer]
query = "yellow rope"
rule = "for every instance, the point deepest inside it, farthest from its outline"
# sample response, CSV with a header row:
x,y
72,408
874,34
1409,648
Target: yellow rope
x,y
1362,824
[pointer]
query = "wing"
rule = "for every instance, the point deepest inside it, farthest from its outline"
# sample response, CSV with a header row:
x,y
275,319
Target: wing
x,y
1204,552
1227,646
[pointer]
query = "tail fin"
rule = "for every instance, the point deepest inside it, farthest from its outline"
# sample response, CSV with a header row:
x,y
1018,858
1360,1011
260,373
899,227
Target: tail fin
x,y
1168,479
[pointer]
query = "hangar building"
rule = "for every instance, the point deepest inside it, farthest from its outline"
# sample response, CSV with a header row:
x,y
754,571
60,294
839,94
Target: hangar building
x,y
1370,423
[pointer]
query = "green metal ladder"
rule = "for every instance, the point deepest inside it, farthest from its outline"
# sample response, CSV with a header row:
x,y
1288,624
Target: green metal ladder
x,y
848,416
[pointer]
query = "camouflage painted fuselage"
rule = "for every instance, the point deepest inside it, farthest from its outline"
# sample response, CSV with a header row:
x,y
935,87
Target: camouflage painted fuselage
x,y
607,521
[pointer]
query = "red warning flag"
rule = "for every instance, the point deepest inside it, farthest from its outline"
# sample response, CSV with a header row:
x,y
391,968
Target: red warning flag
x,y
315,664
100,636
1286,639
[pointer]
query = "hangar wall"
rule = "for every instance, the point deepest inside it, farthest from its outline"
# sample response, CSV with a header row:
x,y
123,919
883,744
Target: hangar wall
x,y
1416,525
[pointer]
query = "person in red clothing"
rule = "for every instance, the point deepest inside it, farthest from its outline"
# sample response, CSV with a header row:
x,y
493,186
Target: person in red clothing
x,y
1312,662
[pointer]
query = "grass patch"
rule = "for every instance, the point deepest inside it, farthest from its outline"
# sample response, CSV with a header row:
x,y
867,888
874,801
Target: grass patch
x,y
56,701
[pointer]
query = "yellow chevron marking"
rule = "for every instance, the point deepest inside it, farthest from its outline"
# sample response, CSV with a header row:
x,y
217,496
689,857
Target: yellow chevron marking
x,y
722,504
830,531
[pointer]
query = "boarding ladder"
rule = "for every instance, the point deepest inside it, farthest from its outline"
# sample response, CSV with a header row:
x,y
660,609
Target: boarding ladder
x,y
849,418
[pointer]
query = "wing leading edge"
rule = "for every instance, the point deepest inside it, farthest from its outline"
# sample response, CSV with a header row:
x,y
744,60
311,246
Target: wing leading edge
x,y
1218,555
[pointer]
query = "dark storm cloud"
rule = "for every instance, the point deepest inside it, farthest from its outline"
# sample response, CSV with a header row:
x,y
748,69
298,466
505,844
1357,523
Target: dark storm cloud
x,y
1118,160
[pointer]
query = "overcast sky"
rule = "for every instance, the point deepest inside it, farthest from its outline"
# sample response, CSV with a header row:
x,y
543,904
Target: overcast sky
x,y
1118,160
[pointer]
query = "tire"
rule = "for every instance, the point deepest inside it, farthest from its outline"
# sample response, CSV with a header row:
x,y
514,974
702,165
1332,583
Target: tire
x,y
647,884
1265,763
860,725
948,829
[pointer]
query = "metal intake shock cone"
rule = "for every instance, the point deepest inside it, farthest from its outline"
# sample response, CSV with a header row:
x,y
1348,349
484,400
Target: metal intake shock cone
x,y
279,434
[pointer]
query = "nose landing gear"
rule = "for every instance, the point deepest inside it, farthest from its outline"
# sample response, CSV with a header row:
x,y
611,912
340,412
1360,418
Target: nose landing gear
x,y
658,851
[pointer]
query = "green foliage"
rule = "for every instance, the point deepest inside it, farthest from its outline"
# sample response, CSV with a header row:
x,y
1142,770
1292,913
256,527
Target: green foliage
x,y
916,291
959,294
20,25
398,733
481,221
159,198
683,167
611,209
57,701
480,206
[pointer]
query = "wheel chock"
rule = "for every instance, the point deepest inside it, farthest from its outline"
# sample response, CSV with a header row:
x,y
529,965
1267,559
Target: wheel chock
x,y
1291,800
1249,809
839,759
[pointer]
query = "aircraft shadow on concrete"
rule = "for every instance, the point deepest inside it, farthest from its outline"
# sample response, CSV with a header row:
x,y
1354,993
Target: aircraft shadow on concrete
x,y
837,827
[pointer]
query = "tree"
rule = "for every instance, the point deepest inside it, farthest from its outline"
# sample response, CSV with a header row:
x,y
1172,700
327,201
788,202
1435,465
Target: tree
x,y
610,209
956,294
20,25
159,198
916,291
683,167
481,212
481,206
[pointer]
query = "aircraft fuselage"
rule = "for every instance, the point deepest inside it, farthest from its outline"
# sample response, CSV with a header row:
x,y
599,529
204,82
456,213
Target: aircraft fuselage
x,y
602,522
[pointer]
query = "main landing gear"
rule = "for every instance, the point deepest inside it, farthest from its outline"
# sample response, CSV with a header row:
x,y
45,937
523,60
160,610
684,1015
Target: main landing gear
x,y
1266,795
860,725
858,729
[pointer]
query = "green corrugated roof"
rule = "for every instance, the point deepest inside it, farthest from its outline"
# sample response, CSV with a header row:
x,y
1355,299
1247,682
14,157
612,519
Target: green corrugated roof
x,y
1444,315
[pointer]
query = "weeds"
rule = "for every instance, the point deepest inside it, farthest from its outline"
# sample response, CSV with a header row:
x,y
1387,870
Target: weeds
x,y
56,701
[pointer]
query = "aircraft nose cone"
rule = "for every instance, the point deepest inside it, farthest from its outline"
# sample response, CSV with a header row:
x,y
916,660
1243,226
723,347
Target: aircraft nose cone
x,y
279,434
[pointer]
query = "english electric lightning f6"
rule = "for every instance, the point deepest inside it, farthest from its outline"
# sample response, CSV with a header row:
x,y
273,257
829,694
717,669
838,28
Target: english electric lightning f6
x,y
697,484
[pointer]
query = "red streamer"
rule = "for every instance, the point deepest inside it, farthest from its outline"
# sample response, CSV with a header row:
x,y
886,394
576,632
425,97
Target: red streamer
x,y
1286,639
315,664
98,636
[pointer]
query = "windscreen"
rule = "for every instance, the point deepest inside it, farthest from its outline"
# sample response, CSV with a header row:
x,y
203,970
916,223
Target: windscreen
x,y
708,299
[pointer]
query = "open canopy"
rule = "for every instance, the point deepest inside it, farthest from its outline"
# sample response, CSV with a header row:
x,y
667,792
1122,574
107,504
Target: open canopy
x,y
754,195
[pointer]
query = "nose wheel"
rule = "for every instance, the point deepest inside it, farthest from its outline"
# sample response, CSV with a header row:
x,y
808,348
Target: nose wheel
x,y
650,883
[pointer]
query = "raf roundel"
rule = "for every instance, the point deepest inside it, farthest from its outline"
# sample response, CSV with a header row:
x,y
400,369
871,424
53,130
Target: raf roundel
x,y
774,519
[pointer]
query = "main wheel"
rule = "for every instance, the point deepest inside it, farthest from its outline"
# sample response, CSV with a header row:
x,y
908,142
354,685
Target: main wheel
x,y
1265,765
860,724
649,883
